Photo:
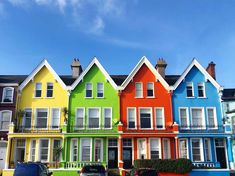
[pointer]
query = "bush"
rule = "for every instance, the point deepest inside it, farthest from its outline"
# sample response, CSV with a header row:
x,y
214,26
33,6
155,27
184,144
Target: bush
x,y
179,166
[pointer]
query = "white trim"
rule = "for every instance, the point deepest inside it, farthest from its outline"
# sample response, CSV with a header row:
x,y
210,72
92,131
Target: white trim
x,y
215,117
71,149
89,116
76,124
159,146
163,118
201,149
80,154
151,118
152,89
9,119
94,61
142,93
111,123
187,117
101,152
169,148
4,94
202,70
187,146
128,117
203,118
39,152
8,84
37,69
142,61
209,149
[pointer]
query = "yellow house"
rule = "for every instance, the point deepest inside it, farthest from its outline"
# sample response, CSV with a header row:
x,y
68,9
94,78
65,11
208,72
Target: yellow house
x,y
37,135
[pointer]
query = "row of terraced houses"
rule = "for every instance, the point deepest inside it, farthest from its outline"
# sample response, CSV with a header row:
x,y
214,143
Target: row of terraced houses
x,y
90,117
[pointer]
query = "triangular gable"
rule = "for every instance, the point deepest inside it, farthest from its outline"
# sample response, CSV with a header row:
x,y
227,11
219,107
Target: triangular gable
x,y
37,69
142,61
101,68
202,70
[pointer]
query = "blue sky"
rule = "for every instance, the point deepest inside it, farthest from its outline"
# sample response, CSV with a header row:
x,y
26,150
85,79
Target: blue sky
x,y
118,33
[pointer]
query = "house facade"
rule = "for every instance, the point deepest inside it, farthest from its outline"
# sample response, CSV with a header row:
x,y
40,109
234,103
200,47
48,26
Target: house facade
x,y
36,135
148,130
197,108
92,129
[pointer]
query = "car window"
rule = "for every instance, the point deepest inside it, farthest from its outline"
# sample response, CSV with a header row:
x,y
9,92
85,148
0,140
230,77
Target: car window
x,y
94,169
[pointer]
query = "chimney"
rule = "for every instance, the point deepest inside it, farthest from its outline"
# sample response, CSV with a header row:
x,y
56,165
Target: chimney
x,y
161,67
211,69
76,68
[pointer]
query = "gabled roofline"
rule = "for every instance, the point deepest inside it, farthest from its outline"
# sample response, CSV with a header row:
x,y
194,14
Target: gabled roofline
x,y
97,63
142,61
203,71
37,69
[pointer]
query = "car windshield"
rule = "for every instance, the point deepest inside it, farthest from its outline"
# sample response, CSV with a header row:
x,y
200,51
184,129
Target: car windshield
x,y
94,169
147,172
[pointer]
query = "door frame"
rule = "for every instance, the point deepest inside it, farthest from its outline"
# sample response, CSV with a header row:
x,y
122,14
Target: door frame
x,y
225,150
15,142
6,142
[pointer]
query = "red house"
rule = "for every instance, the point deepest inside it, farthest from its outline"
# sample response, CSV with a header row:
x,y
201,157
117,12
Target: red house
x,y
148,130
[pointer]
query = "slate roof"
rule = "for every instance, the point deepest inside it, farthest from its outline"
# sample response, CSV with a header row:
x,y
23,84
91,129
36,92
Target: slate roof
x,y
228,94
171,79
118,79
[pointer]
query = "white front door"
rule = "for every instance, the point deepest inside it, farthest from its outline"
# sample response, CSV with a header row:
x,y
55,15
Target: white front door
x,y
3,151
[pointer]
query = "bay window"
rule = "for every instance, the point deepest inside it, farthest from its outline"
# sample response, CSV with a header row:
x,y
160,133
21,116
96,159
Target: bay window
x,y
131,115
55,117
56,150
145,118
74,150
41,117
196,147
85,151
98,150
183,148
198,120
44,150
160,120
108,118
155,148
183,113
93,117
211,115
27,118
79,124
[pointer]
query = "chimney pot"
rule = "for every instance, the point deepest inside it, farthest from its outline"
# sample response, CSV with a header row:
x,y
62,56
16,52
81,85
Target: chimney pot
x,y
76,68
161,67
211,69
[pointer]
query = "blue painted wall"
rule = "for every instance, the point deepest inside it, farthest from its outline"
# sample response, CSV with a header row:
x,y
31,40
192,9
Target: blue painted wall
x,y
210,173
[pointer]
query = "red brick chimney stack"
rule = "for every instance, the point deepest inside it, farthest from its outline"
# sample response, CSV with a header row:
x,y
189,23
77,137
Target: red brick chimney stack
x,y
211,69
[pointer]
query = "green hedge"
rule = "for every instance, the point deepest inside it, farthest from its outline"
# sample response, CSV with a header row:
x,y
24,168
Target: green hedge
x,y
179,166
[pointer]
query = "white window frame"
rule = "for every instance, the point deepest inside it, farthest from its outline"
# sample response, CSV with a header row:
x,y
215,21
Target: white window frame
x,y
204,89
89,117
76,123
187,147
159,146
151,118
149,89
193,95
203,118
48,153
31,150
163,118
209,150
35,89
87,89
169,148
101,152
50,89
90,149
9,119
4,94
53,142
71,149
138,153
97,89
187,117
111,111
201,149
36,110
133,108
215,117
24,118
141,96
52,117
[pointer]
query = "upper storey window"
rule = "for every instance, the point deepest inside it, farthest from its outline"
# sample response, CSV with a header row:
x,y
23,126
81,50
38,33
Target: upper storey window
x,y
38,90
7,96
201,90
88,90
49,89
100,90
145,118
138,90
5,119
189,88
150,89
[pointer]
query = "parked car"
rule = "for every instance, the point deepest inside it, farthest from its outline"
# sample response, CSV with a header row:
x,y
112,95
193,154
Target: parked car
x,y
31,169
144,172
93,170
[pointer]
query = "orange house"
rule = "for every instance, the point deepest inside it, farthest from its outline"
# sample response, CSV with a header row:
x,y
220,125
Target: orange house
x,y
147,130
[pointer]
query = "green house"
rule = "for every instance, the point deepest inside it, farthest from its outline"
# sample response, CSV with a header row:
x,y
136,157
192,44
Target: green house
x,y
93,117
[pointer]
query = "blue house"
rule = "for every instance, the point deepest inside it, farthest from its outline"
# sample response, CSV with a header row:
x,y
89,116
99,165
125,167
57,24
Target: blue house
x,y
197,108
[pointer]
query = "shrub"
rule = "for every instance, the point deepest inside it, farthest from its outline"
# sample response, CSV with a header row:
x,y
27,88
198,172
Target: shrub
x,y
179,166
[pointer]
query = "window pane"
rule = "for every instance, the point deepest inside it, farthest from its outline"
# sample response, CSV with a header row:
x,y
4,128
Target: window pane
x,y
189,88
196,150
150,89
211,118
86,149
41,118
138,90
100,90
94,118
107,117
27,118
55,118
208,149
33,150
154,148
44,149
145,118
159,118
38,90
166,149
56,150
131,118
201,90
88,90
80,118
49,89
5,120
98,150
183,118
197,118
8,95
183,148
74,150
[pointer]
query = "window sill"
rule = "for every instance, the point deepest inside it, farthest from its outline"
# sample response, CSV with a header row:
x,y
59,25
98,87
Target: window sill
x,y
89,97
6,102
139,97
202,97
190,97
100,97
160,128
150,97
38,97
49,97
